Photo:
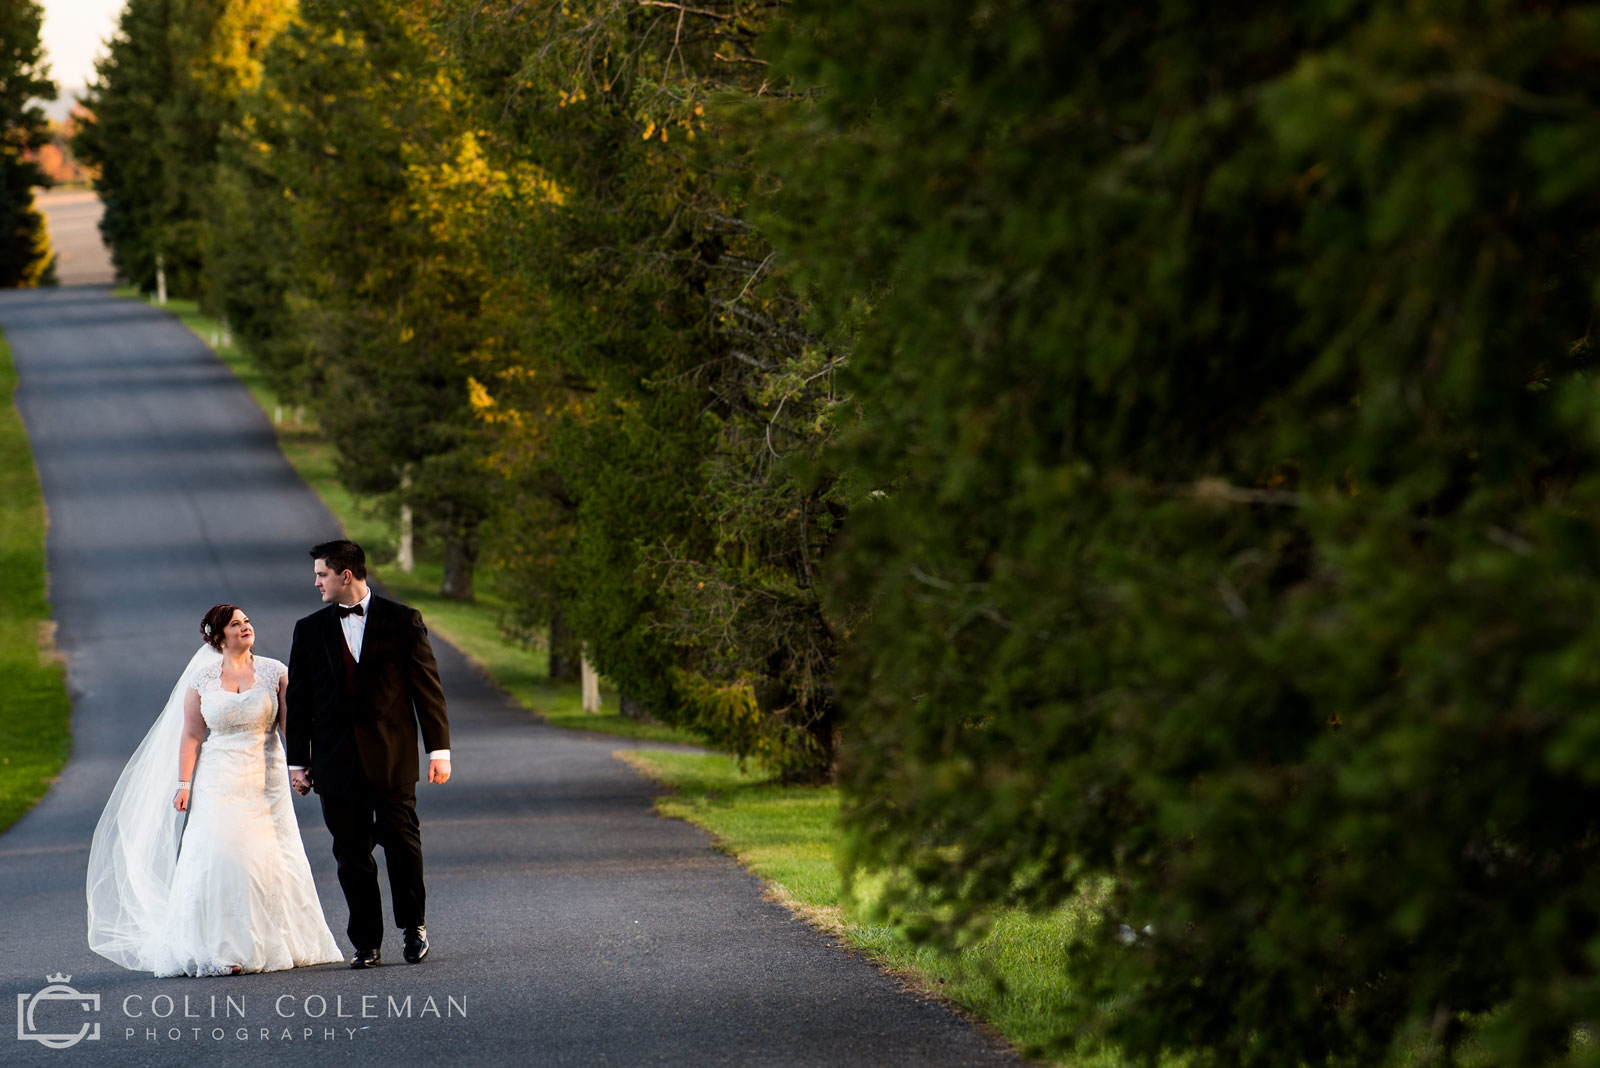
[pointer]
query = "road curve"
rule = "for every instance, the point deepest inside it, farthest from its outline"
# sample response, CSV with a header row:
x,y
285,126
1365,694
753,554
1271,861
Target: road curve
x,y
571,926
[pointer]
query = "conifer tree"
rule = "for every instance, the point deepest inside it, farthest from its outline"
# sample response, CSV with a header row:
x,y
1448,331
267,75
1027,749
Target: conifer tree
x,y
25,256
339,261
699,515
167,88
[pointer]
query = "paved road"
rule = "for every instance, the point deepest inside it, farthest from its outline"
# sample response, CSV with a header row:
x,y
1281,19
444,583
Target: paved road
x,y
571,926
74,221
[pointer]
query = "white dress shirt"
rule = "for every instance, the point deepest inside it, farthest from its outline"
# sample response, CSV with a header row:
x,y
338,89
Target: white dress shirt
x,y
354,627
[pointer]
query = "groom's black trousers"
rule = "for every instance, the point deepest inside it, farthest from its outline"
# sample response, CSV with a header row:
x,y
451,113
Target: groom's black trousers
x,y
358,821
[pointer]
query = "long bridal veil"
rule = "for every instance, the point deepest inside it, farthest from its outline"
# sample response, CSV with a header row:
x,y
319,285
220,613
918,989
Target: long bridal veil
x,y
135,847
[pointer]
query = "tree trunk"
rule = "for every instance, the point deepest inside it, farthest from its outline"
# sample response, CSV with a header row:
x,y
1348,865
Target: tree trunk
x,y
824,731
630,707
563,650
459,557
406,559
819,718
591,687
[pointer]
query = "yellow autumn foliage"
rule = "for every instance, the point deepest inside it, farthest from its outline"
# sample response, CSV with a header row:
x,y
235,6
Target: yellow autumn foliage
x,y
238,43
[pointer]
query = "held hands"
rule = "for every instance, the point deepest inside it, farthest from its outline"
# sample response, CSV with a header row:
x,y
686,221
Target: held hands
x,y
438,771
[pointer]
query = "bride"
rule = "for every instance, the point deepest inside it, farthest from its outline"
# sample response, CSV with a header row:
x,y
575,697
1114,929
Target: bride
x,y
230,890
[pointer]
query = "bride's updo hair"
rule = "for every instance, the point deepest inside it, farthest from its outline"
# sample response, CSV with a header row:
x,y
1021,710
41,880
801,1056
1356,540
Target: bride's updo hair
x,y
215,622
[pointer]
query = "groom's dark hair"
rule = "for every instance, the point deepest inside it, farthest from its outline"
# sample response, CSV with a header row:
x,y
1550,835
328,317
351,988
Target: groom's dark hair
x,y
342,555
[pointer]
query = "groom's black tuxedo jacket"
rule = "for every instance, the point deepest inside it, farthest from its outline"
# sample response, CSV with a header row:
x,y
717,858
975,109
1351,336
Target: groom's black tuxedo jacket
x,y
344,725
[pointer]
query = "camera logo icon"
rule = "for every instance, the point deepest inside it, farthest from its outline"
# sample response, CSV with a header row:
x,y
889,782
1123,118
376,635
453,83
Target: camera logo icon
x,y
54,997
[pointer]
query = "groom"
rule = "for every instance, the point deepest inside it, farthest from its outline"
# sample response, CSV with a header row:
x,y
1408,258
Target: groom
x,y
361,679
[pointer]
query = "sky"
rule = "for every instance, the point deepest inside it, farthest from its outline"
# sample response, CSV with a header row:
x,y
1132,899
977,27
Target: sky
x,y
74,37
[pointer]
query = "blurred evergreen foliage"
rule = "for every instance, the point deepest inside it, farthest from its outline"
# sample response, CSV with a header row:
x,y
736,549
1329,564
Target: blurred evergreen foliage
x,y
26,258
1227,383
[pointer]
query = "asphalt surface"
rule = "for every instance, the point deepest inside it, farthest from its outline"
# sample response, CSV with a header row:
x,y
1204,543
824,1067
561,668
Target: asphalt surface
x,y
74,220
571,926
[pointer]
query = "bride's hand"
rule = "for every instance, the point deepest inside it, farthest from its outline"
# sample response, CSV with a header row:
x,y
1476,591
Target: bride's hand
x,y
180,800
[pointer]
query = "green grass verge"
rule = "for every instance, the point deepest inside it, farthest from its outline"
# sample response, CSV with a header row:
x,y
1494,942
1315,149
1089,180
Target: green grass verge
x,y
473,627
1013,978
35,714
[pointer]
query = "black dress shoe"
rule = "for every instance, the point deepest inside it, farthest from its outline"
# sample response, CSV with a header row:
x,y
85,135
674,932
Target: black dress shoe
x,y
416,944
366,958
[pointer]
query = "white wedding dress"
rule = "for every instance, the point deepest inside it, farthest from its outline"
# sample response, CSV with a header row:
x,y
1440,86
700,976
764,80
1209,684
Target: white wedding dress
x,y
239,890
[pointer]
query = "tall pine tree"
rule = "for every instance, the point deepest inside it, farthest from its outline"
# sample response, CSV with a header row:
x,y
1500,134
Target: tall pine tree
x,y
346,273
165,91
25,256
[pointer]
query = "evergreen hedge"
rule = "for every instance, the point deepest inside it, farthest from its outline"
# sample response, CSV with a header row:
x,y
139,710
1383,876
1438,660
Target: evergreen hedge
x,y
1232,553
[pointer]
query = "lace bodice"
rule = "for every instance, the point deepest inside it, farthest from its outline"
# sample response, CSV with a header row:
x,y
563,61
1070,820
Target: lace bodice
x,y
250,712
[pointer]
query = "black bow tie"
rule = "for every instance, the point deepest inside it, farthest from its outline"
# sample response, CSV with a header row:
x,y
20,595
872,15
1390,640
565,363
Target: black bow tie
x,y
351,610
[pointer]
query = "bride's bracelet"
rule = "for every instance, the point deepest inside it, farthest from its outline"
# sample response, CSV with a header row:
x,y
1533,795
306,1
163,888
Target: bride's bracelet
x,y
183,785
